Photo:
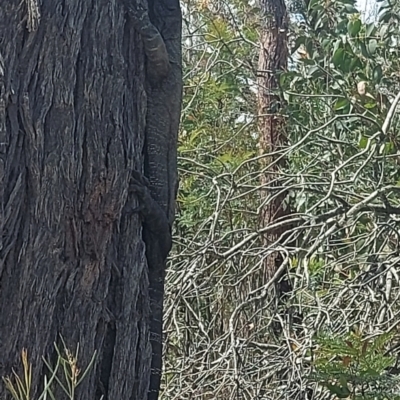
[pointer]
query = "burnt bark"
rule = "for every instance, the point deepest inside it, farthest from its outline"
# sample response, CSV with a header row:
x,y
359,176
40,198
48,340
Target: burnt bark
x,y
273,58
72,261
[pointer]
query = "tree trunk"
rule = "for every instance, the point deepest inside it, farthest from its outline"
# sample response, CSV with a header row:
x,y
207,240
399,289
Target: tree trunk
x,y
72,262
273,58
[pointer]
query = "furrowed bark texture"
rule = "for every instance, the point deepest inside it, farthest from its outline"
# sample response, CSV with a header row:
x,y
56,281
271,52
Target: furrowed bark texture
x,y
272,59
72,122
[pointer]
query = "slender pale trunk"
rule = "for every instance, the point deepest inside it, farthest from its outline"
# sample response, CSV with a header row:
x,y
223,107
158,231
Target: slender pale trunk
x,y
273,58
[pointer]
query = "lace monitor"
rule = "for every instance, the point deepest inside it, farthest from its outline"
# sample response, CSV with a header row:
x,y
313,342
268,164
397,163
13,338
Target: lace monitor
x,y
159,24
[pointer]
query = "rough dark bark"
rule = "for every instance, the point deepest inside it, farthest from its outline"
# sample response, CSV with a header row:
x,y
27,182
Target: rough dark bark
x,y
73,107
273,58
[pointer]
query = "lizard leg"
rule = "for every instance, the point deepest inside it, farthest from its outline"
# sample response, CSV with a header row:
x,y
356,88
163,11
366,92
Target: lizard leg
x,y
155,220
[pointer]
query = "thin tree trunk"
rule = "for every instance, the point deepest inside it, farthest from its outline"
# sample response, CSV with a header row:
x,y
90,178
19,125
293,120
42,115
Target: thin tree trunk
x,y
273,58
72,123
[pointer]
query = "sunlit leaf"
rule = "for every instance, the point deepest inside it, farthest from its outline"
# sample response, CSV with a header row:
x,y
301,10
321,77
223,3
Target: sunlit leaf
x,y
370,105
362,144
353,27
372,45
341,104
338,57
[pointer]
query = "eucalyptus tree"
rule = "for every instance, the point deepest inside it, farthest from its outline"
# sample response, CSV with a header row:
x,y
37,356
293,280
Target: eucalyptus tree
x,y
76,103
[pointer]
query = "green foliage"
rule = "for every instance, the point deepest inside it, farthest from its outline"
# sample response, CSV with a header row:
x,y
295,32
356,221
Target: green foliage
x,y
342,179
344,148
355,368
338,97
217,129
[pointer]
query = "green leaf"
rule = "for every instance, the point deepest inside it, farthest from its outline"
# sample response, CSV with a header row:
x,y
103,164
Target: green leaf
x,y
370,105
350,9
377,74
347,62
364,51
390,148
369,29
362,144
338,57
383,31
299,41
314,71
372,45
309,47
341,26
307,61
355,63
341,104
326,43
340,392
385,15
337,44
312,4
353,27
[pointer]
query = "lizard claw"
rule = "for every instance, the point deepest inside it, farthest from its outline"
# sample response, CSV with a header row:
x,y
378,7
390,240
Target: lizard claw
x,y
139,186
139,179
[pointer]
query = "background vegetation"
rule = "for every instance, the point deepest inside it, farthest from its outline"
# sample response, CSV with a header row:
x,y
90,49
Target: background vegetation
x,y
335,334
